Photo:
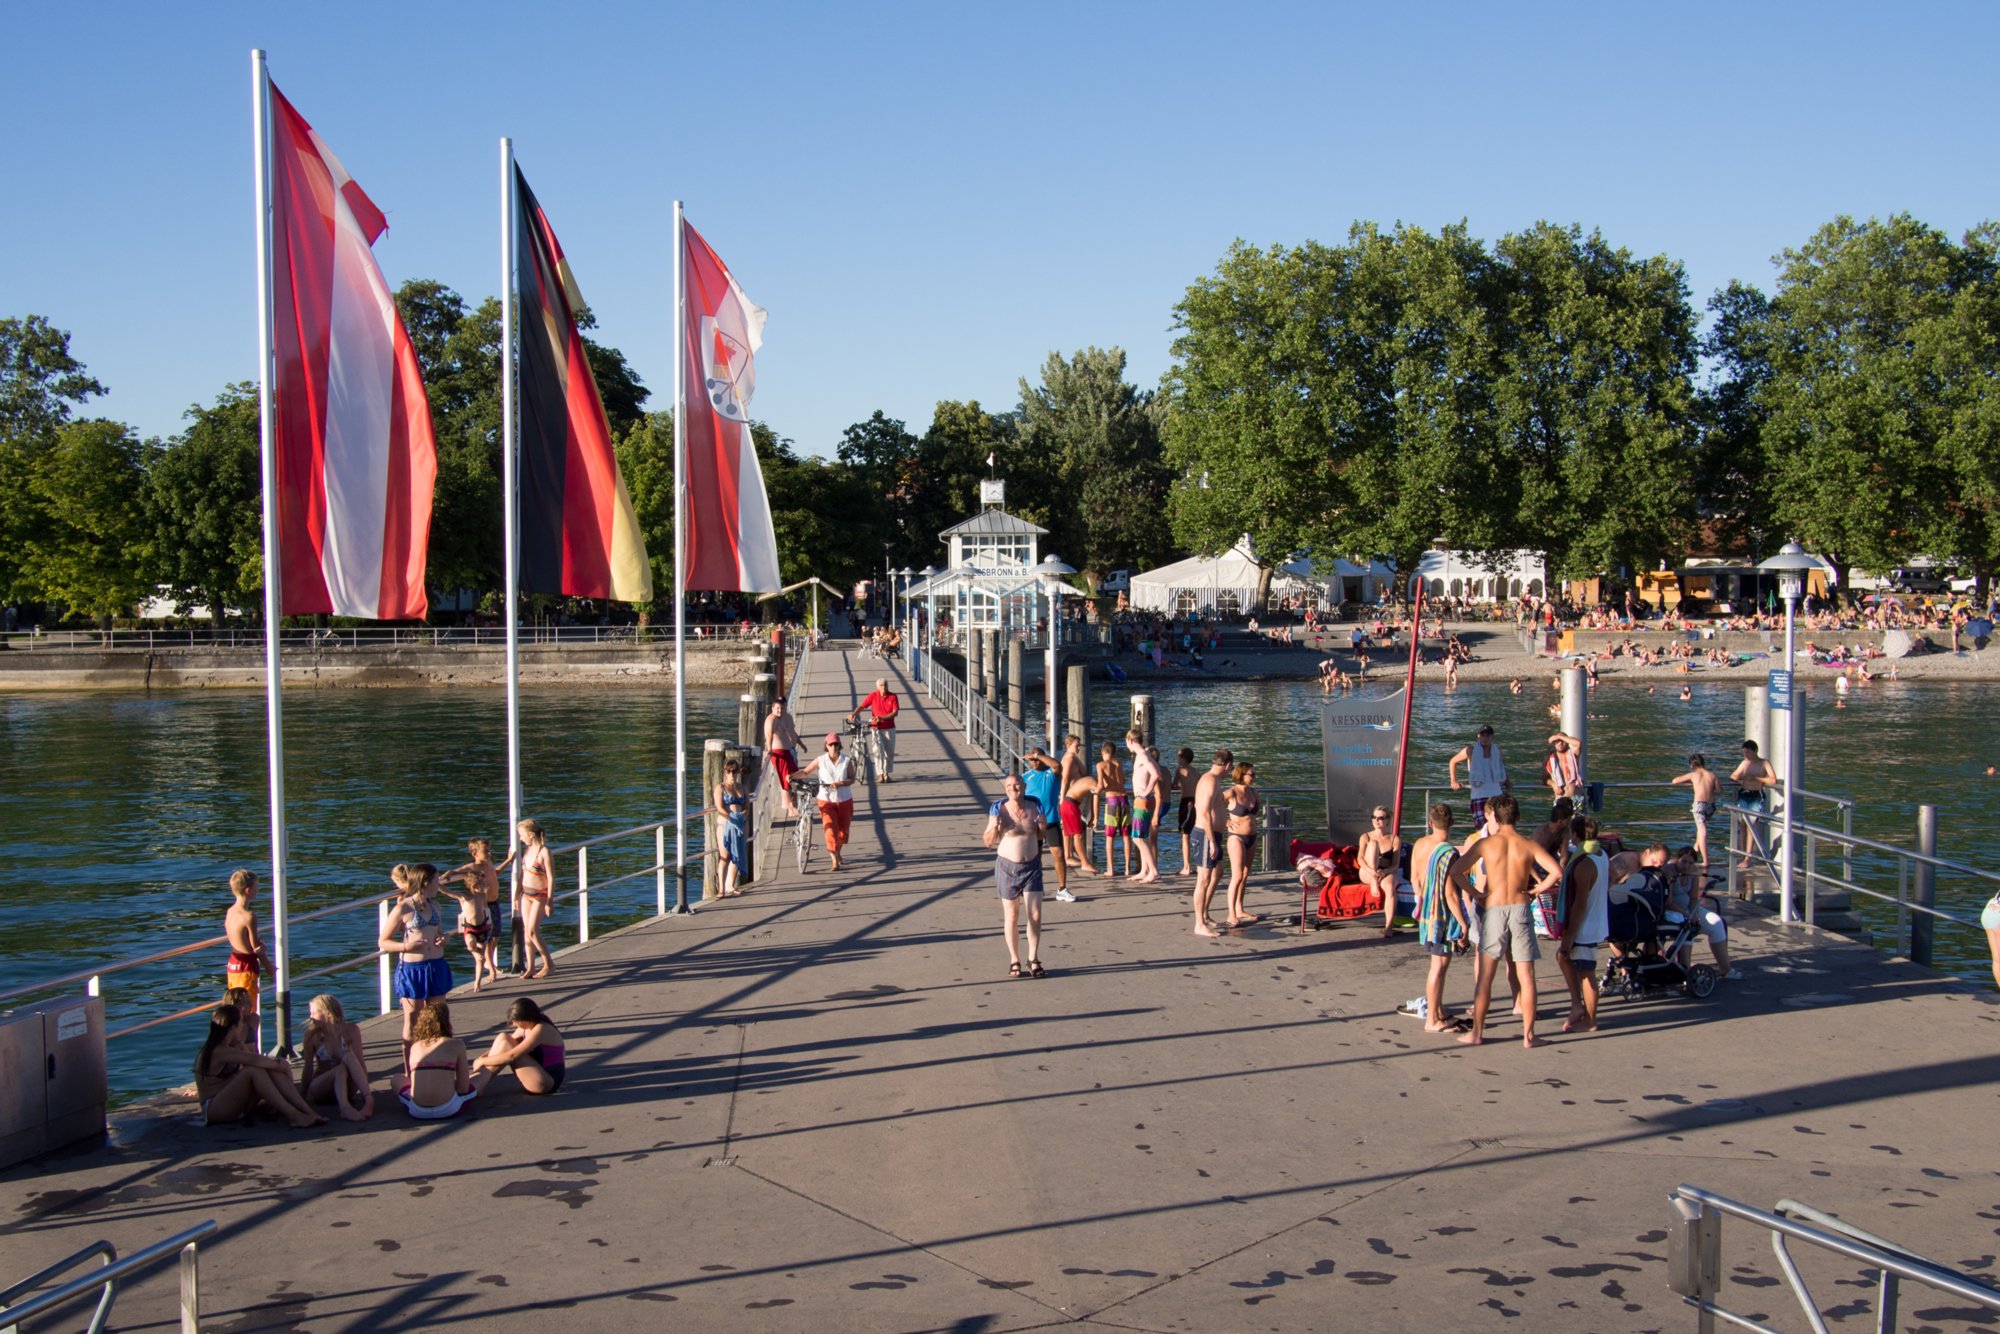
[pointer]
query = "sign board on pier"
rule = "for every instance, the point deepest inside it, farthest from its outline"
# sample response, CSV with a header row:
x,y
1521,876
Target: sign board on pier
x,y
1363,739
1780,693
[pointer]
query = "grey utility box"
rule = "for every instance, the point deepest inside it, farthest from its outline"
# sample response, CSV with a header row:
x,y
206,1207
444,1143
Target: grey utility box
x,y
55,1094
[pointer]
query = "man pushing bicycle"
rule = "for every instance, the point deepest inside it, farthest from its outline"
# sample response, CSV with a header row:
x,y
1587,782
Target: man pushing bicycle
x,y
882,707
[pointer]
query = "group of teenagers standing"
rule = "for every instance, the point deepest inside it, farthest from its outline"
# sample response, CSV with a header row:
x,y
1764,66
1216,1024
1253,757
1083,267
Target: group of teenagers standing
x,y
439,1075
1216,811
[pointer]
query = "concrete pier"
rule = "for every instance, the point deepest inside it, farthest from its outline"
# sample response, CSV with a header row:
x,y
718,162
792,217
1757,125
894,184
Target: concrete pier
x,y
824,1106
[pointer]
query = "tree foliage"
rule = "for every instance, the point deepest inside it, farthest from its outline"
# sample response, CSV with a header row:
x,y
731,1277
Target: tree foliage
x,y
1090,465
91,551
1879,441
1371,398
203,506
41,384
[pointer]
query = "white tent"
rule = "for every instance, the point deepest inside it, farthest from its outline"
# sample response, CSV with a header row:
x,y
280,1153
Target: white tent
x,y
1225,583
1228,583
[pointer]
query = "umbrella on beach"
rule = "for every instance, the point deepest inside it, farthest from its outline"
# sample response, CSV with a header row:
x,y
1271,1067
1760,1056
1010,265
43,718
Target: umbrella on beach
x,y
1980,626
1896,643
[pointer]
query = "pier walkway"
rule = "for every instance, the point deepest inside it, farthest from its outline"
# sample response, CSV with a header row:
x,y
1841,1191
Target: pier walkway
x,y
823,1106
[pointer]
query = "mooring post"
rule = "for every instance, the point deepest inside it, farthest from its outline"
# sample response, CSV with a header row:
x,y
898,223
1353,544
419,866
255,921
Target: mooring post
x,y
1079,703
1923,891
972,672
1016,694
1142,717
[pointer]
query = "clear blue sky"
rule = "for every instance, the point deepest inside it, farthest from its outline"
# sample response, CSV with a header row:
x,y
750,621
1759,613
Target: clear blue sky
x,y
931,198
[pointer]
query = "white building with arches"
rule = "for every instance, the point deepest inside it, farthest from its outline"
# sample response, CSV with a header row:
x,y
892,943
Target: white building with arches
x,y
1482,576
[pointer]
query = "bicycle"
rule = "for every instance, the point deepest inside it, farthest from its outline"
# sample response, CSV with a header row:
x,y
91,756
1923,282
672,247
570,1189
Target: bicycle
x,y
864,741
805,793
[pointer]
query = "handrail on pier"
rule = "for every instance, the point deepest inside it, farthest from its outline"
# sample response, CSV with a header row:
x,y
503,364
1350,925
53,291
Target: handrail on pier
x,y
1695,1270
106,1279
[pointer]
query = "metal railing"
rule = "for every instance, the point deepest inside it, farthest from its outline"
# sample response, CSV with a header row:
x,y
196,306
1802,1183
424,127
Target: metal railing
x,y
104,1281
988,730
375,636
1695,1269
659,870
1917,913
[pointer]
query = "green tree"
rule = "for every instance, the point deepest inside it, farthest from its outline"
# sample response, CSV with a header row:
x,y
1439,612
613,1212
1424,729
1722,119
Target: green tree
x,y
1870,431
41,383
1263,413
1091,464
90,554
1594,354
646,462
882,454
1730,494
945,474
203,506
817,509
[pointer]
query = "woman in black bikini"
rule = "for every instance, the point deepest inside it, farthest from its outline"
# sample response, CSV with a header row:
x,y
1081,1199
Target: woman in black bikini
x,y
1377,855
1242,803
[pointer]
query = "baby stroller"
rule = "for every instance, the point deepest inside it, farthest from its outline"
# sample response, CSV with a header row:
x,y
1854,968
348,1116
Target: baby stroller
x,y
1646,949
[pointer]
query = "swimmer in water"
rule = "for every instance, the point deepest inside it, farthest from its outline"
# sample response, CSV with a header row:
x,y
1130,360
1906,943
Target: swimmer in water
x,y
1514,686
1687,693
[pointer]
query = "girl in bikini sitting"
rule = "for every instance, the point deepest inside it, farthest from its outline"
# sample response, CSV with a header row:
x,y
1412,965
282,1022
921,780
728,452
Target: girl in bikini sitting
x,y
440,1072
530,1046
335,1069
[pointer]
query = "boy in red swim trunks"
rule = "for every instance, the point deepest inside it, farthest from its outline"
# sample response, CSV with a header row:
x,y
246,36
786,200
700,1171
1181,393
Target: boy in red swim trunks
x,y
246,949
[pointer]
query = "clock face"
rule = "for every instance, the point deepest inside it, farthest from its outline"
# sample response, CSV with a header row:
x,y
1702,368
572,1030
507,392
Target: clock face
x,y
992,493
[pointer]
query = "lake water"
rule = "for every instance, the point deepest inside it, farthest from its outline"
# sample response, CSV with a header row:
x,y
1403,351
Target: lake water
x,y
125,814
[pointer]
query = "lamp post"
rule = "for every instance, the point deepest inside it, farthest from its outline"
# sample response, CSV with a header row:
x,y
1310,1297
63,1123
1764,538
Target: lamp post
x,y
1790,565
1051,569
929,630
903,583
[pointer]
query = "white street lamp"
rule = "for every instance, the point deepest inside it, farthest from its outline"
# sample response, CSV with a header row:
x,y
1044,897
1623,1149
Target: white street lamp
x,y
1051,569
903,582
1790,565
929,628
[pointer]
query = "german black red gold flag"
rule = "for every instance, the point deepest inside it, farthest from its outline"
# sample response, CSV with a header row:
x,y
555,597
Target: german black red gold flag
x,y
579,536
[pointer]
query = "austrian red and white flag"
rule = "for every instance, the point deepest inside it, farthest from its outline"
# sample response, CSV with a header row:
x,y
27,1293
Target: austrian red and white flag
x,y
729,543
353,444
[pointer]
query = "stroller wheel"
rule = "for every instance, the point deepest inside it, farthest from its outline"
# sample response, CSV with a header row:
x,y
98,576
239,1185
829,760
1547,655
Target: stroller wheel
x,y
1701,981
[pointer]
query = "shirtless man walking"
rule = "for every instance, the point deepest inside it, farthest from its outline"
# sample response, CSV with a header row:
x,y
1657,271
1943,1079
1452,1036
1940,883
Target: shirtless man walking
x,y
1205,840
1505,930
1705,789
781,743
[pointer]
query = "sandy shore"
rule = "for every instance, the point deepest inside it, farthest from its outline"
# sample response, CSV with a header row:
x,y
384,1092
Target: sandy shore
x,y
1498,656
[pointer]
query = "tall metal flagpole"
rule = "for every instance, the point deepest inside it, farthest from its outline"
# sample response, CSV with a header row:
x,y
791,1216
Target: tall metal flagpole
x,y
274,713
510,525
680,556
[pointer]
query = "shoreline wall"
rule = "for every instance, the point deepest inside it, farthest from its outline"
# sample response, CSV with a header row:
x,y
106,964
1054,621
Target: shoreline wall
x,y
714,663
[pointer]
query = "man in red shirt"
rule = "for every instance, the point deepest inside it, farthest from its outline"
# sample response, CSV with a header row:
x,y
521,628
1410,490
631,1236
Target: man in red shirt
x,y
883,706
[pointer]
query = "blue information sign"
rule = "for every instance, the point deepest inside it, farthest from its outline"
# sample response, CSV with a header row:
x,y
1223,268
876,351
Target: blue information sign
x,y
1779,690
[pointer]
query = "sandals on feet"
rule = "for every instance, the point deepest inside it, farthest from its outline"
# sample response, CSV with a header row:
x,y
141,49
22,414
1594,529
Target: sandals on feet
x,y
1013,970
1035,968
